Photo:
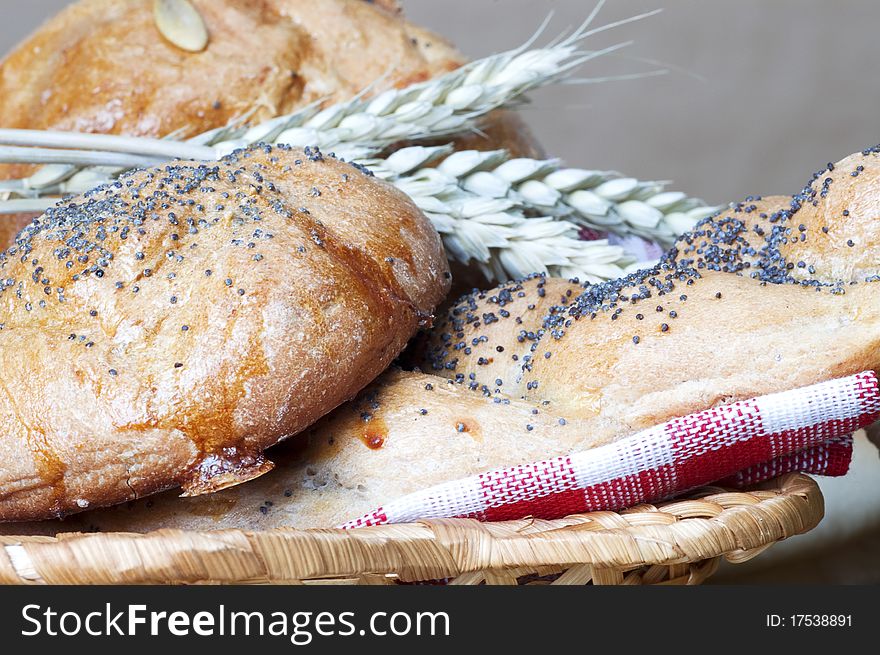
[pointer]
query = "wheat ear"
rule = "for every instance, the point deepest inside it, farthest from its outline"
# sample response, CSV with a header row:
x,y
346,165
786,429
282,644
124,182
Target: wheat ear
x,y
508,234
598,199
513,216
493,233
359,128
497,235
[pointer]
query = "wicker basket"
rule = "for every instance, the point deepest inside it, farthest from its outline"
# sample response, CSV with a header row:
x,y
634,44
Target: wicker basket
x,y
676,542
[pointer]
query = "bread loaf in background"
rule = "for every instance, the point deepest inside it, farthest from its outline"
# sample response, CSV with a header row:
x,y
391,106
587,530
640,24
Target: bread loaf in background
x,y
103,66
165,329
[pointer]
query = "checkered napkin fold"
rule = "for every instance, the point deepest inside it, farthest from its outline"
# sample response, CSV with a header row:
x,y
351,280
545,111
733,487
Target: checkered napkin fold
x,y
808,430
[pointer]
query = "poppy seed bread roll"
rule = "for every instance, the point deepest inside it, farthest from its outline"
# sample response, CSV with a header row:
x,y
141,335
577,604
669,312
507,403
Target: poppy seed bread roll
x,y
165,329
806,264
726,316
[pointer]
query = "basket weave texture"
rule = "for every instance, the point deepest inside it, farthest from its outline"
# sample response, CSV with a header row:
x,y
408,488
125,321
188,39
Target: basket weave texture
x,y
676,542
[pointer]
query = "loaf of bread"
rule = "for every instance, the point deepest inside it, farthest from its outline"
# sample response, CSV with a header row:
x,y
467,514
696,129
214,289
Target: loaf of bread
x,y
543,367
165,329
103,66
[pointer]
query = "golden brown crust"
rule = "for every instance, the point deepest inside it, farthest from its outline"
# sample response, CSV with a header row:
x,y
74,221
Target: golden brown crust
x,y
717,340
840,237
714,323
11,225
725,342
724,318
485,337
102,66
366,452
168,328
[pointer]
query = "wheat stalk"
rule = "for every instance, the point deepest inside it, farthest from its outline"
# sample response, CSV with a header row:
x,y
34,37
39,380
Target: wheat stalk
x,y
598,199
485,203
440,107
531,245
496,234
363,126
511,216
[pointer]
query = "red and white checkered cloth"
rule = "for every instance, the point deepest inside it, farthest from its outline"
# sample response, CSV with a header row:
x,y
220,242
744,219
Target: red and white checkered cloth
x,y
807,430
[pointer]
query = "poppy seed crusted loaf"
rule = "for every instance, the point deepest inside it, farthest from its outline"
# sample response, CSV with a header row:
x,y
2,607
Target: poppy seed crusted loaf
x,y
543,367
165,329
768,295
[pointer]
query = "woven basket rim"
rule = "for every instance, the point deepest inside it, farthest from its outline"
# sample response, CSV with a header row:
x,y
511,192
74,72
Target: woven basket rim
x,y
709,523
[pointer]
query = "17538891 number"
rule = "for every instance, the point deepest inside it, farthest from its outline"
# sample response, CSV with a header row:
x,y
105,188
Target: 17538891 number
x,y
809,621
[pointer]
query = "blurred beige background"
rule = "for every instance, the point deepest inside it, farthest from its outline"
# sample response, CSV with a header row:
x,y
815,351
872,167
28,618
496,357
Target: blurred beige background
x,y
760,94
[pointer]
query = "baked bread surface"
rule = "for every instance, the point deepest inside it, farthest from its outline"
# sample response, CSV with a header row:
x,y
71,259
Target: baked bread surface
x,y
165,329
743,317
